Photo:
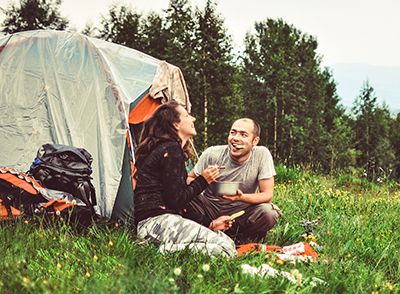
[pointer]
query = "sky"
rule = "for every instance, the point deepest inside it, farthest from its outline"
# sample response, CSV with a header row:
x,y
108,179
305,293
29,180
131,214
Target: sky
x,y
347,31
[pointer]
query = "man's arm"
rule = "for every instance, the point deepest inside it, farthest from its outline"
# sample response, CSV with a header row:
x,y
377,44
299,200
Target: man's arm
x,y
266,191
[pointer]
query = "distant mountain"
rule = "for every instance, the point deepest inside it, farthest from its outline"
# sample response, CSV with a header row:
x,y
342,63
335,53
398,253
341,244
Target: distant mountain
x,y
385,81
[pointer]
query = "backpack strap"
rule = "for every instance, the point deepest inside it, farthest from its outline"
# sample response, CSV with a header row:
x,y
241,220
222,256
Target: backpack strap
x,y
6,210
20,179
86,194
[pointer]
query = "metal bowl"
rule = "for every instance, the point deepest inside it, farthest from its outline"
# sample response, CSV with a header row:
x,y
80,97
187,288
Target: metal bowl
x,y
225,188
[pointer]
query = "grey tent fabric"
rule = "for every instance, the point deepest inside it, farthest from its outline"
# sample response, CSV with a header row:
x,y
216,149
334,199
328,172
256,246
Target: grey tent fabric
x,y
67,88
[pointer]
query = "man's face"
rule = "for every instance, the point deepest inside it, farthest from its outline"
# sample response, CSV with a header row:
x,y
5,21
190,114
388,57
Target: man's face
x,y
241,139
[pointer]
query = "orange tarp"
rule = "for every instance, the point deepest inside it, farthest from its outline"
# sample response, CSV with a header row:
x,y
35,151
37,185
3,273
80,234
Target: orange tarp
x,y
143,110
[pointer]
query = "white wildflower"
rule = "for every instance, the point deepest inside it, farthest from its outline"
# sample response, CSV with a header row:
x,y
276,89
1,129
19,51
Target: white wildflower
x,y
177,271
206,267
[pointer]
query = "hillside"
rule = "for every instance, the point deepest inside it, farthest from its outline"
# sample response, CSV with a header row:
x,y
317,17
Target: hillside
x,y
385,81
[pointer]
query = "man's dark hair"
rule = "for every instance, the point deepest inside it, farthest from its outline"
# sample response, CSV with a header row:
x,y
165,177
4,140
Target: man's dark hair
x,y
256,126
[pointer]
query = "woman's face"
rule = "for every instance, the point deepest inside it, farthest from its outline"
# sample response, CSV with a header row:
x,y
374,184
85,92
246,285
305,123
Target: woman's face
x,y
185,127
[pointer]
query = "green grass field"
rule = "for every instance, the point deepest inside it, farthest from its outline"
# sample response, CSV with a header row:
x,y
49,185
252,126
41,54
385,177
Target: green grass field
x,y
358,233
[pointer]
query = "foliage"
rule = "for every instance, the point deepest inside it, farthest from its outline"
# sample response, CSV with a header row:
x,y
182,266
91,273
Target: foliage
x,y
56,259
121,26
286,174
215,104
33,15
372,128
394,137
292,97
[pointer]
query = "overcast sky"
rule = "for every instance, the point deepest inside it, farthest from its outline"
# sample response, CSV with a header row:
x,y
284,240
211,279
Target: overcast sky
x,y
348,31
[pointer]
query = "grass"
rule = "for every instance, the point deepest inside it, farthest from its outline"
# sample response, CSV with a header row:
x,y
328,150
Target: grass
x,y
358,234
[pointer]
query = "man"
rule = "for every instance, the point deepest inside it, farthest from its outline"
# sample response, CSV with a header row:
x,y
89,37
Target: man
x,y
241,161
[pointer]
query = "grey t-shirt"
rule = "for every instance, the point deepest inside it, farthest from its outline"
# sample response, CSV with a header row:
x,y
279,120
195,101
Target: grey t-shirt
x,y
258,166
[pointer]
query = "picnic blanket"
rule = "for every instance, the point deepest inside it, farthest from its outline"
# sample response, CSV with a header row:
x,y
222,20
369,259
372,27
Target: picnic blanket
x,y
289,252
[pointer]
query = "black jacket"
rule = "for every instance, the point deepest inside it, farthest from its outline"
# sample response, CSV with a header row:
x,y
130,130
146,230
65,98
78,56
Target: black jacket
x,y
161,184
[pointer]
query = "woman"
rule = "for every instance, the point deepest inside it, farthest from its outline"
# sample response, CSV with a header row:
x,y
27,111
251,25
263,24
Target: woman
x,y
162,193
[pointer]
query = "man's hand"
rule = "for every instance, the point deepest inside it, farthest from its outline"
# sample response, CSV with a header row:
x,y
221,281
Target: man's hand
x,y
264,195
237,197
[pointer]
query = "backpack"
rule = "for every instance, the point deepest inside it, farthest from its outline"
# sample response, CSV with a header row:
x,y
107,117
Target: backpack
x,y
65,168
22,195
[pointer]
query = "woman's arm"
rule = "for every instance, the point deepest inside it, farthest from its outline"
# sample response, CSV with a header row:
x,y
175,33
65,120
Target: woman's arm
x,y
176,193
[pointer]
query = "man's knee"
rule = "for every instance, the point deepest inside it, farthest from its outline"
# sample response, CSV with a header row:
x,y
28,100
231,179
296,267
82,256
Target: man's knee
x,y
266,215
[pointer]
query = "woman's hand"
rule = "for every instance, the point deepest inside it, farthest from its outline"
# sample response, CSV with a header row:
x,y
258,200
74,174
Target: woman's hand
x,y
211,173
221,224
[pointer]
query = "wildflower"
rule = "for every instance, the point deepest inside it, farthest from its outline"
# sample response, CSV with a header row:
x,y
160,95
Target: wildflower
x,y
389,286
87,275
289,277
58,212
110,243
206,267
25,280
237,289
45,282
95,258
26,222
280,262
312,238
297,276
177,271
199,276
171,280
59,265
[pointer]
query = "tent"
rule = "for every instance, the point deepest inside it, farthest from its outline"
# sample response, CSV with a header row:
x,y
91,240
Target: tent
x,y
67,88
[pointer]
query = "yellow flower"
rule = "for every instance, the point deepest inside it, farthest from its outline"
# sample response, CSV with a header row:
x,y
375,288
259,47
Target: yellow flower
x,y
25,280
26,222
58,265
389,286
280,262
110,243
45,282
312,238
95,258
87,275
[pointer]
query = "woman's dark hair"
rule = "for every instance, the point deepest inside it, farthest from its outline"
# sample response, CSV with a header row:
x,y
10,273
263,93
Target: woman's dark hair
x,y
159,127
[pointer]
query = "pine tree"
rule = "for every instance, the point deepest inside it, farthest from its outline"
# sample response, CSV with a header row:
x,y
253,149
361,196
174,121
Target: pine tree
x,y
214,98
122,26
33,15
395,143
285,88
154,36
371,128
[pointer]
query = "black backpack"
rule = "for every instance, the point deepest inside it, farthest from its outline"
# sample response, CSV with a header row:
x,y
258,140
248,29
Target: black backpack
x,y
22,196
65,168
